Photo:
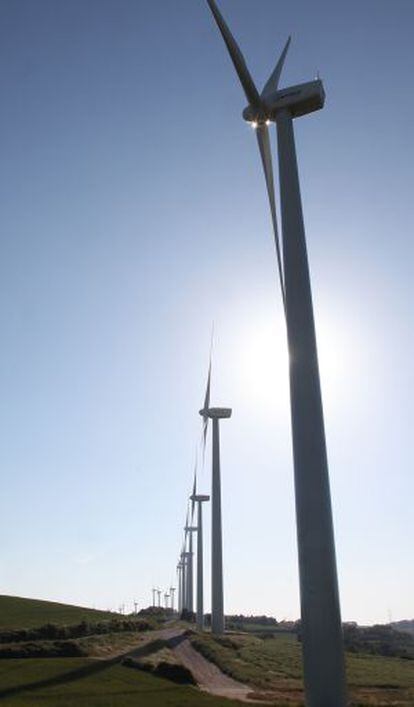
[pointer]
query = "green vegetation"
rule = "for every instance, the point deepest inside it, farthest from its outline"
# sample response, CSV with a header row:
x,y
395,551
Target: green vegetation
x,y
96,646
379,640
131,667
96,635
253,660
50,632
273,666
86,683
162,663
16,613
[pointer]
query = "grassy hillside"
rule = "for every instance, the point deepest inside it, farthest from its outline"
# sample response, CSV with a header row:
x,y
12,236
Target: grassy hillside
x,y
66,682
16,612
273,666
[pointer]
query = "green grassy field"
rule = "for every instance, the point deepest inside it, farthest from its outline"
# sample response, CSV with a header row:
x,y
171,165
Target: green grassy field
x,y
274,666
16,612
78,682
270,665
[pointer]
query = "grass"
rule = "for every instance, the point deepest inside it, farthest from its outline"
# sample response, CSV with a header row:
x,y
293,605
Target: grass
x,y
253,628
274,666
17,612
83,683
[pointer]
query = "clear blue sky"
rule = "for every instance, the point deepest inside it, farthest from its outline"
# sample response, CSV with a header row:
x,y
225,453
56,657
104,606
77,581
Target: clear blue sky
x,y
132,214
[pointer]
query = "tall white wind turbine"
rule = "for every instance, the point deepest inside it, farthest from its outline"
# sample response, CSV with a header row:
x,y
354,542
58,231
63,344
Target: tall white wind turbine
x,y
217,596
322,641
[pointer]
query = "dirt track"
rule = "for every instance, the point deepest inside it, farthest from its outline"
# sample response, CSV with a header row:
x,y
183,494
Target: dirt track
x,y
208,676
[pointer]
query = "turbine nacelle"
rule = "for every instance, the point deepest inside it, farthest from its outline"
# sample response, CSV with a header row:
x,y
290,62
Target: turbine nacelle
x,y
300,99
218,413
199,498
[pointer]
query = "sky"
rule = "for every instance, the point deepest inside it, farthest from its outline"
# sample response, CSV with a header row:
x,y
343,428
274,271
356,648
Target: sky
x,y
133,214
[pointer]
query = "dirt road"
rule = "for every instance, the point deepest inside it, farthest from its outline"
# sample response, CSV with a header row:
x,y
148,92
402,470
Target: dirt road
x,y
208,676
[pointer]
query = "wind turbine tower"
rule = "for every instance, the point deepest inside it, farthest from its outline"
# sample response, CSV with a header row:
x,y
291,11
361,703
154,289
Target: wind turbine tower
x,y
189,529
183,580
172,592
188,574
153,596
166,597
217,600
159,597
322,640
180,593
200,580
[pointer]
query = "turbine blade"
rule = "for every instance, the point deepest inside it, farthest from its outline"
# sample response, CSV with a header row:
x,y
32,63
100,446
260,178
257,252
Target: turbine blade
x,y
236,56
263,140
194,492
273,82
206,406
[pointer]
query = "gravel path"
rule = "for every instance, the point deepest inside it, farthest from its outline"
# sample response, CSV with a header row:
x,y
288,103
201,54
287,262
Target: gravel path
x,y
208,676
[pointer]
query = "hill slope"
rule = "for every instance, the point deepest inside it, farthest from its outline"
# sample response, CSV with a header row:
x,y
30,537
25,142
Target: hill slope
x,y
18,612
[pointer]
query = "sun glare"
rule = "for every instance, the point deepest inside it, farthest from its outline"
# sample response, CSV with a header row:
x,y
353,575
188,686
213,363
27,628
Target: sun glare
x,y
263,361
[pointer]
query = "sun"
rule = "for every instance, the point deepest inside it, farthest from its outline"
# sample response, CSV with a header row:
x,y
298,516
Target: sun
x,y
263,361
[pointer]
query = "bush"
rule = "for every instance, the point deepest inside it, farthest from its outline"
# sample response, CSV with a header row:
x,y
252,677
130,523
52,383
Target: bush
x,y
50,632
44,649
176,673
188,616
170,671
378,640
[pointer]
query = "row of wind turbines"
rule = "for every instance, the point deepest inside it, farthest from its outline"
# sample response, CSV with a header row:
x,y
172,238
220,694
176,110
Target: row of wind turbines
x,y
322,640
185,565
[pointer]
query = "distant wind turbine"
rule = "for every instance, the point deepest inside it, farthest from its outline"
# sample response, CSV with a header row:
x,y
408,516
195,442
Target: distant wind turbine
x,y
322,640
190,529
183,579
200,569
180,586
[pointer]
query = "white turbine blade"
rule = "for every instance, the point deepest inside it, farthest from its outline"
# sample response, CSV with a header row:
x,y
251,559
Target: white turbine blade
x,y
263,140
194,493
237,58
206,406
273,82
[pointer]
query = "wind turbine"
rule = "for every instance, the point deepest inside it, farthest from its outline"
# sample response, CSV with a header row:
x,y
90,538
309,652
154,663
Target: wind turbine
x,y
322,640
189,530
172,592
200,580
183,579
217,600
166,597
180,592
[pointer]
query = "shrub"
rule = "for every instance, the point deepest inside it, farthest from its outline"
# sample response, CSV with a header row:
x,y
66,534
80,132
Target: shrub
x,y
174,672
